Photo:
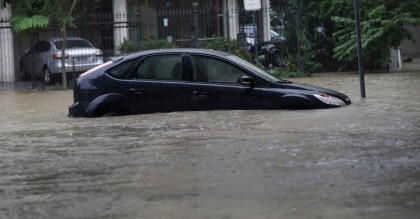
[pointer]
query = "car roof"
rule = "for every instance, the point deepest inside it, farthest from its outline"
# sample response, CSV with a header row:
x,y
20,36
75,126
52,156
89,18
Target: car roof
x,y
178,50
55,39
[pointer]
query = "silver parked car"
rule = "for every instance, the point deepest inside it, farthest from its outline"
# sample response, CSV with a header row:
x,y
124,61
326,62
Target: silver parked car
x,y
44,59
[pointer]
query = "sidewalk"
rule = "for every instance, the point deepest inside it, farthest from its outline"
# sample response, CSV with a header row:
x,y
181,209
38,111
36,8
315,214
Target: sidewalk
x,y
19,85
413,65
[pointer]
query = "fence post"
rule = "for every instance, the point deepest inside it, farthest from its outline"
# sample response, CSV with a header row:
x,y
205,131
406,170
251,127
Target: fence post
x,y
298,40
138,27
255,37
228,30
195,4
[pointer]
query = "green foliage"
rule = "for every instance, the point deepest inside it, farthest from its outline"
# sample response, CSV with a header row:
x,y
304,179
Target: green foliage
x,y
24,24
221,44
156,44
57,86
382,27
29,15
130,46
287,73
308,61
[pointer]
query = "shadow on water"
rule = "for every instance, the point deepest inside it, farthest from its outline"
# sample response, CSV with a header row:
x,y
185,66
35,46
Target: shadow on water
x,y
357,161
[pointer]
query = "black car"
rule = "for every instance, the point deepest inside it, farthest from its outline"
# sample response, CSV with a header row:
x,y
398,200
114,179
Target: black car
x,y
189,79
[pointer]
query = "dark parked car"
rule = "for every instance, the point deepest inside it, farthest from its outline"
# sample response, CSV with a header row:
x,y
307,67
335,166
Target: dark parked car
x,y
189,79
44,59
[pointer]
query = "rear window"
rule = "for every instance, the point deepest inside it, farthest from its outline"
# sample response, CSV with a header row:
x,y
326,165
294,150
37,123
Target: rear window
x,y
120,71
74,44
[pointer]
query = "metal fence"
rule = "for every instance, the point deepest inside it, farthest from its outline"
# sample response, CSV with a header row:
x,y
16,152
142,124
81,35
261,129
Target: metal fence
x,y
105,31
110,32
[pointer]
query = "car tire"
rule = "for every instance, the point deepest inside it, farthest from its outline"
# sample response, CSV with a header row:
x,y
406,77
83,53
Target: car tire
x,y
110,109
24,76
23,73
47,76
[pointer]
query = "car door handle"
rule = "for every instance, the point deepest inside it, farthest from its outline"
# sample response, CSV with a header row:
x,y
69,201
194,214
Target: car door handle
x,y
136,90
200,93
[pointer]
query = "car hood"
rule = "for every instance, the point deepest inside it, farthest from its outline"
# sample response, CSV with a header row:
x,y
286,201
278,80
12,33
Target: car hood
x,y
313,89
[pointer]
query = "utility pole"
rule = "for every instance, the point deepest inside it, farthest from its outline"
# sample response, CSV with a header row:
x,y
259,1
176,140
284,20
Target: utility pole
x,y
253,5
359,49
195,11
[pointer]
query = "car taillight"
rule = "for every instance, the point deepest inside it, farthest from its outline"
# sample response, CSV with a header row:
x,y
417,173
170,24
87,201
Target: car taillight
x,y
95,68
58,56
98,53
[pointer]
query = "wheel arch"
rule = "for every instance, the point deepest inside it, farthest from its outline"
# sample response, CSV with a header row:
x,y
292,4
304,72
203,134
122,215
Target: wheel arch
x,y
100,105
297,101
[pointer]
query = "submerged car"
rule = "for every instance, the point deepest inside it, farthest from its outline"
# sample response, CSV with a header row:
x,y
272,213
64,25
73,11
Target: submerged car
x,y
43,60
189,79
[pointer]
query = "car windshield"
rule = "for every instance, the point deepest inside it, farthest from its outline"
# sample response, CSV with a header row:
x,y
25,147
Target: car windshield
x,y
255,69
74,44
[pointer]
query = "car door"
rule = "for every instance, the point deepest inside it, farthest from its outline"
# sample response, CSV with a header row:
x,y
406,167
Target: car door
x,y
29,60
215,84
41,55
157,84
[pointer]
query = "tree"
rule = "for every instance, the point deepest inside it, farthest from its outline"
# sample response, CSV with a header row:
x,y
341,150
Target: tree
x,y
382,26
382,29
64,18
31,15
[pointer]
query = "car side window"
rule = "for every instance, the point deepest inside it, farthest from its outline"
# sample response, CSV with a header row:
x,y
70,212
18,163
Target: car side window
x,y
209,69
42,46
161,67
121,70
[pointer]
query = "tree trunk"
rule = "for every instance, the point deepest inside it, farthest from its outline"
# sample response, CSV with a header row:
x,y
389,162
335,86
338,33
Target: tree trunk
x,y
63,30
63,53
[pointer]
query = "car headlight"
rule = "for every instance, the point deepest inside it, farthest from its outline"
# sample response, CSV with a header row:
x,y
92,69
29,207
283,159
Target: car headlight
x,y
330,100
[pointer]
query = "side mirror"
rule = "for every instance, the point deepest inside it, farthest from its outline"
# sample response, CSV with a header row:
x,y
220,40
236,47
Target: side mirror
x,y
247,81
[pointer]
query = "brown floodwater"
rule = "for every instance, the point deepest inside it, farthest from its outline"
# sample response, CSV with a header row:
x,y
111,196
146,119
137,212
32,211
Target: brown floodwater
x,y
359,161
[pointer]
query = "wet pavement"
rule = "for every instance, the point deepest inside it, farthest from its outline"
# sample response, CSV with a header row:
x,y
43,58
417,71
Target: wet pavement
x,y
359,161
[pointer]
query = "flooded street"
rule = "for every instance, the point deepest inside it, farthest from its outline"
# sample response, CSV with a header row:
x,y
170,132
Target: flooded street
x,y
359,161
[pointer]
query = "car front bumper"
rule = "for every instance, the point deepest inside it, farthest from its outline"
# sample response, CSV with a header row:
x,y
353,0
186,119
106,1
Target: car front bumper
x,y
78,109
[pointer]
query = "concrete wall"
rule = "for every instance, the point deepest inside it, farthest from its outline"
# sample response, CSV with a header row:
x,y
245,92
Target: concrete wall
x,y
232,6
409,48
120,12
264,21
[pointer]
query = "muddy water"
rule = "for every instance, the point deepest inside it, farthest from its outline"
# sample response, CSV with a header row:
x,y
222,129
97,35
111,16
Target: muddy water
x,y
360,161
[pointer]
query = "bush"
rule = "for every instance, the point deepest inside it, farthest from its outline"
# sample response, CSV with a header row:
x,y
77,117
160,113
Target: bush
x,y
129,47
279,73
290,70
221,44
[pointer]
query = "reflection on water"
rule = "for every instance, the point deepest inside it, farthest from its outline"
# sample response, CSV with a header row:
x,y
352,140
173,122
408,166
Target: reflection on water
x,y
362,160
